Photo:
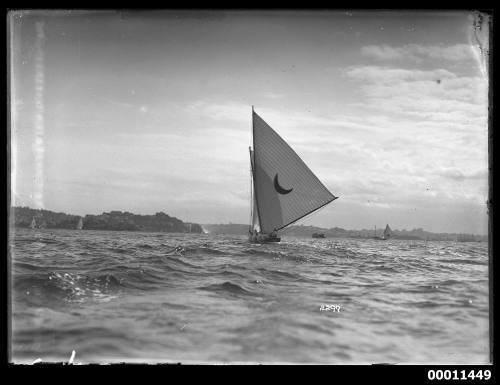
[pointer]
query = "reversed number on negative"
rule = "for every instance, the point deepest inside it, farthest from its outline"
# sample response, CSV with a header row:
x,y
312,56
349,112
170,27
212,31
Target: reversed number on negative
x,y
330,308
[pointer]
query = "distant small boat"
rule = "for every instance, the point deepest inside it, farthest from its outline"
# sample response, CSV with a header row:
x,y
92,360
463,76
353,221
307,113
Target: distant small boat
x,y
284,188
318,235
79,225
387,234
33,223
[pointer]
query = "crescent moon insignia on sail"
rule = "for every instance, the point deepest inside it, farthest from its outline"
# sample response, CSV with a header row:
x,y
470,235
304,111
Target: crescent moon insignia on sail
x,y
280,189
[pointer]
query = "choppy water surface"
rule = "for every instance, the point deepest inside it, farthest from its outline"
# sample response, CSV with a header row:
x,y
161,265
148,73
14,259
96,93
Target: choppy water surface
x,y
150,297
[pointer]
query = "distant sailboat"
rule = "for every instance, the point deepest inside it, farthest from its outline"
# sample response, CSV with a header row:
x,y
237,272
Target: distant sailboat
x,y
79,226
284,188
387,232
33,223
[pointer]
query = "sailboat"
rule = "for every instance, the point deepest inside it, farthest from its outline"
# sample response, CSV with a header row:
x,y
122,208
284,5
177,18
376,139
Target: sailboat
x,y
79,225
284,188
33,223
387,232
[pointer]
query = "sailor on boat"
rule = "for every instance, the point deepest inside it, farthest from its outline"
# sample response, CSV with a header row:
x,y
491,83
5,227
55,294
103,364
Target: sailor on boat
x,y
284,189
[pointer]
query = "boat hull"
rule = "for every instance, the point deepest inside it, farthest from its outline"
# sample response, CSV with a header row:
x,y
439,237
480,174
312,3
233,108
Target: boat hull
x,y
263,238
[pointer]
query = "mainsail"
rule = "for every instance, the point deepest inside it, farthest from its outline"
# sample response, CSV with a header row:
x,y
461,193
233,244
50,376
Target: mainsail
x,y
285,189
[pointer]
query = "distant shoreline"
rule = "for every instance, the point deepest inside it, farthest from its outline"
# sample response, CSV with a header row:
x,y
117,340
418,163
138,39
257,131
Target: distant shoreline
x,y
26,217
337,232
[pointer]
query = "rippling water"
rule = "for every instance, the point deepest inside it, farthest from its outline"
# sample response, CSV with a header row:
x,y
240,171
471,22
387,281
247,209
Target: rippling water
x,y
150,297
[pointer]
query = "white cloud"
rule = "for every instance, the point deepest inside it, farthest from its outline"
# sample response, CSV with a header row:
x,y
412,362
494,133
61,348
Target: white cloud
x,y
233,111
418,53
435,95
435,140
273,95
459,175
119,103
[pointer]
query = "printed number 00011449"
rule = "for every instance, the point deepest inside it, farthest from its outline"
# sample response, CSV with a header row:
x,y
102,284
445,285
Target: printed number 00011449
x,y
458,374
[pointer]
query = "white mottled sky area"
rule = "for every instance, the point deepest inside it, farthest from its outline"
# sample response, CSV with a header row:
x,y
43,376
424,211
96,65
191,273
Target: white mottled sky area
x,y
151,111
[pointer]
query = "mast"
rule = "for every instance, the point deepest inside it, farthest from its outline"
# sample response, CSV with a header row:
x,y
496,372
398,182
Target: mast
x,y
253,173
251,189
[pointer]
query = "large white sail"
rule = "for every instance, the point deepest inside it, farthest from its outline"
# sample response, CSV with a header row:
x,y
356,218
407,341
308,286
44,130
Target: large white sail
x,y
285,188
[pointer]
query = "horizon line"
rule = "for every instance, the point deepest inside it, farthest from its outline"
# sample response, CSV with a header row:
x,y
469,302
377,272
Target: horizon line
x,y
246,224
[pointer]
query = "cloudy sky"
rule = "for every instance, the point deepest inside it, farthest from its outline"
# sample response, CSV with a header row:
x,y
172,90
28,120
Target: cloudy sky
x,y
151,111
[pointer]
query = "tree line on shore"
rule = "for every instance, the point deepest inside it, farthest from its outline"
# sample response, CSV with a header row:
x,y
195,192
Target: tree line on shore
x,y
25,217
115,220
337,232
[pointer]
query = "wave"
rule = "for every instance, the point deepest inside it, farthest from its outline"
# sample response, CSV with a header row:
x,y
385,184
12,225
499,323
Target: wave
x,y
145,246
280,275
228,288
68,286
463,261
203,250
386,269
20,267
